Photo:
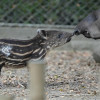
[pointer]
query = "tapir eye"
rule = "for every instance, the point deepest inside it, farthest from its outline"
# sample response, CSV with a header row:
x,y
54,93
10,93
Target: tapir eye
x,y
60,35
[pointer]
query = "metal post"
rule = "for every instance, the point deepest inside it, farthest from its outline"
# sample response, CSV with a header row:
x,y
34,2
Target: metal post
x,y
37,72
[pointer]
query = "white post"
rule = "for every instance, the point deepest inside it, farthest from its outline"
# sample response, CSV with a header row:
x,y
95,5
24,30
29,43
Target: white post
x,y
6,97
37,72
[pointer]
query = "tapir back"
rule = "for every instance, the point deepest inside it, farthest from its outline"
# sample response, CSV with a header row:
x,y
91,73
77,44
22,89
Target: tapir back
x,y
88,21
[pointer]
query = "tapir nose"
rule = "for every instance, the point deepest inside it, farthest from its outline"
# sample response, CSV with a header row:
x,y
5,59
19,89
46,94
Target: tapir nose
x,y
76,32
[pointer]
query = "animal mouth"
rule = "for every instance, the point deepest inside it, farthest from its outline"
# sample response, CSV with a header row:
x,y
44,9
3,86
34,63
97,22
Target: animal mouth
x,y
68,40
87,34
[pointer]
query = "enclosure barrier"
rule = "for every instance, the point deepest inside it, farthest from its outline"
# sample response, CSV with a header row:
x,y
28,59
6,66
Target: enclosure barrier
x,y
37,72
55,12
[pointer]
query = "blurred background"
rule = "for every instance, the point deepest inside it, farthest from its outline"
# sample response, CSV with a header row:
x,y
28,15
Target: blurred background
x,y
24,17
53,12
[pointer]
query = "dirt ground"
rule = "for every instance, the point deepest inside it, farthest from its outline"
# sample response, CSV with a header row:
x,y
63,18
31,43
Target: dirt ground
x,y
69,73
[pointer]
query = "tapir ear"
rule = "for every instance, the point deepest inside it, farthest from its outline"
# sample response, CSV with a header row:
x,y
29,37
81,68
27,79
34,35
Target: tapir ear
x,y
42,33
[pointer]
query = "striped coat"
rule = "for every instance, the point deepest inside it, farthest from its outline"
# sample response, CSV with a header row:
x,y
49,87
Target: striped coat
x,y
16,53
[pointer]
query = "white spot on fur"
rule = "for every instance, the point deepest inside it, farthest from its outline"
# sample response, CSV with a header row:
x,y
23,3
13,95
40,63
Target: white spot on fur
x,y
6,50
48,47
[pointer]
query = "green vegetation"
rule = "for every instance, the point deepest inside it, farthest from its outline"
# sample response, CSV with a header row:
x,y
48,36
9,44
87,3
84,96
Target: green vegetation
x,y
63,12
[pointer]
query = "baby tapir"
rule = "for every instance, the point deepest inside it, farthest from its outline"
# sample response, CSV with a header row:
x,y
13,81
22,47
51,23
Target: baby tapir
x,y
16,53
90,26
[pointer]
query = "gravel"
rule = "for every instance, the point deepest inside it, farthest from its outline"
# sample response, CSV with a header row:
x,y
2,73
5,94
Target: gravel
x,y
69,73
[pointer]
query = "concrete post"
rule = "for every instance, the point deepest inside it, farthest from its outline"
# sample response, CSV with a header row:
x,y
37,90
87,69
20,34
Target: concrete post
x,y
6,98
37,72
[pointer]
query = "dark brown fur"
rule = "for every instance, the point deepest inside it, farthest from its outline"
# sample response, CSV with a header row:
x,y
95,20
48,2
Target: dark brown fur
x,y
90,25
17,52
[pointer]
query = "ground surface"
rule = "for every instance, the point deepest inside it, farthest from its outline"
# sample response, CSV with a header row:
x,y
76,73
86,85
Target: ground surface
x,y
69,74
